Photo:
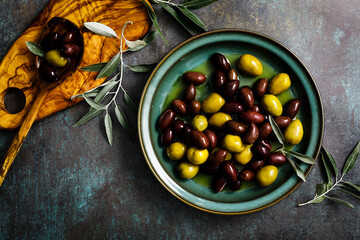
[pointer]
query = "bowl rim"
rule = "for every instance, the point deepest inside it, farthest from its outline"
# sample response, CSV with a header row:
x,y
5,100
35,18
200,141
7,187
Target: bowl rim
x,y
237,30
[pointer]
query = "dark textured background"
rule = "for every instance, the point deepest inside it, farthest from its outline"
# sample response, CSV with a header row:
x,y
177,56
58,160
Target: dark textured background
x,y
69,183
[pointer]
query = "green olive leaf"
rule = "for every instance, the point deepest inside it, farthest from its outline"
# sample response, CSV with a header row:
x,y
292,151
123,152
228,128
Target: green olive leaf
x,y
196,4
35,48
104,91
329,158
124,122
108,128
340,201
87,117
135,44
97,67
153,18
276,130
110,66
92,103
297,169
130,99
147,39
356,195
350,161
142,67
192,17
302,157
352,186
101,29
328,170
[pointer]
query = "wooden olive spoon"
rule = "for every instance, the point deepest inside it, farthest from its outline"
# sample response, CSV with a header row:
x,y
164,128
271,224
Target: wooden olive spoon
x,y
59,25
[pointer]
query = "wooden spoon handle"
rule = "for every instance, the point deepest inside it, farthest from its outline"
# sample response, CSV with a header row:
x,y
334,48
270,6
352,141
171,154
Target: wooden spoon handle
x,y
23,131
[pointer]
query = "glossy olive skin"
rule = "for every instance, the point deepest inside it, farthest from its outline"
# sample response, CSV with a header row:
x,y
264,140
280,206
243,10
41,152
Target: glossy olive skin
x,y
194,107
167,137
55,59
218,183
234,127
178,126
48,73
189,93
293,134
246,97
219,61
228,170
236,185
230,88
217,158
218,80
277,159
166,119
250,65
271,104
245,156
256,108
279,83
176,150
282,121
70,50
199,139
252,116
232,75
260,87
232,108
233,143
251,134
261,149
179,107
267,175
186,135
197,156
256,164
70,37
217,120
212,103
187,170
51,41
212,138
199,122
291,108
264,130
247,175
194,77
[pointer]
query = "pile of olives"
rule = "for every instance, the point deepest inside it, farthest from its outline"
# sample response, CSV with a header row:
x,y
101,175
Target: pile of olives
x,y
62,53
228,134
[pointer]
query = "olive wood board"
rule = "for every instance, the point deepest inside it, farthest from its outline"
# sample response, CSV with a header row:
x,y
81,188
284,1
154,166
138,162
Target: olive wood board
x,y
18,70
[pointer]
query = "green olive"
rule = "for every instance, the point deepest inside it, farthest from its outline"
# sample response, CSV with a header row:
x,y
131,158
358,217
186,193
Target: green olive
x,y
212,103
244,156
176,150
233,143
279,83
197,156
218,119
55,59
271,105
294,132
267,175
187,170
199,122
250,65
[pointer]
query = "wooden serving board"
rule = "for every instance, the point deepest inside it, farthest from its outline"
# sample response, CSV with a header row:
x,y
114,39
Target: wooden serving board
x,y
17,68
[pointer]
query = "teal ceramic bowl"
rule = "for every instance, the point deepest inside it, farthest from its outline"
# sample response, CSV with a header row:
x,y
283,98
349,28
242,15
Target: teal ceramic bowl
x,y
165,85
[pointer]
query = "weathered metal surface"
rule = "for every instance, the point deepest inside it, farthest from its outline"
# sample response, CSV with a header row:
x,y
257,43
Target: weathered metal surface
x,y
69,183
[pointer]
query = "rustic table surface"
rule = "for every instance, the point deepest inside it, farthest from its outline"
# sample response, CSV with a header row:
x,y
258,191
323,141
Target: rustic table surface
x,y
69,183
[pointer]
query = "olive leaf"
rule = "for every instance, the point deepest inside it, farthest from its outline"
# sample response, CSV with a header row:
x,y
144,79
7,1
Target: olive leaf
x,y
108,128
35,48
192,17
92,103
147,39
124,122
328,171
97,67
329,158
142,67
135,44
276,130
153,18
296,168
338,200
196,4
101,29
110,66
302,157
87,117
350,161
352,186
356,195
130,99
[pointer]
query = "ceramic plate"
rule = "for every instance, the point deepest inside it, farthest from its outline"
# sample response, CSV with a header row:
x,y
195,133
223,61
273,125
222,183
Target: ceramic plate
x,y
165,85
